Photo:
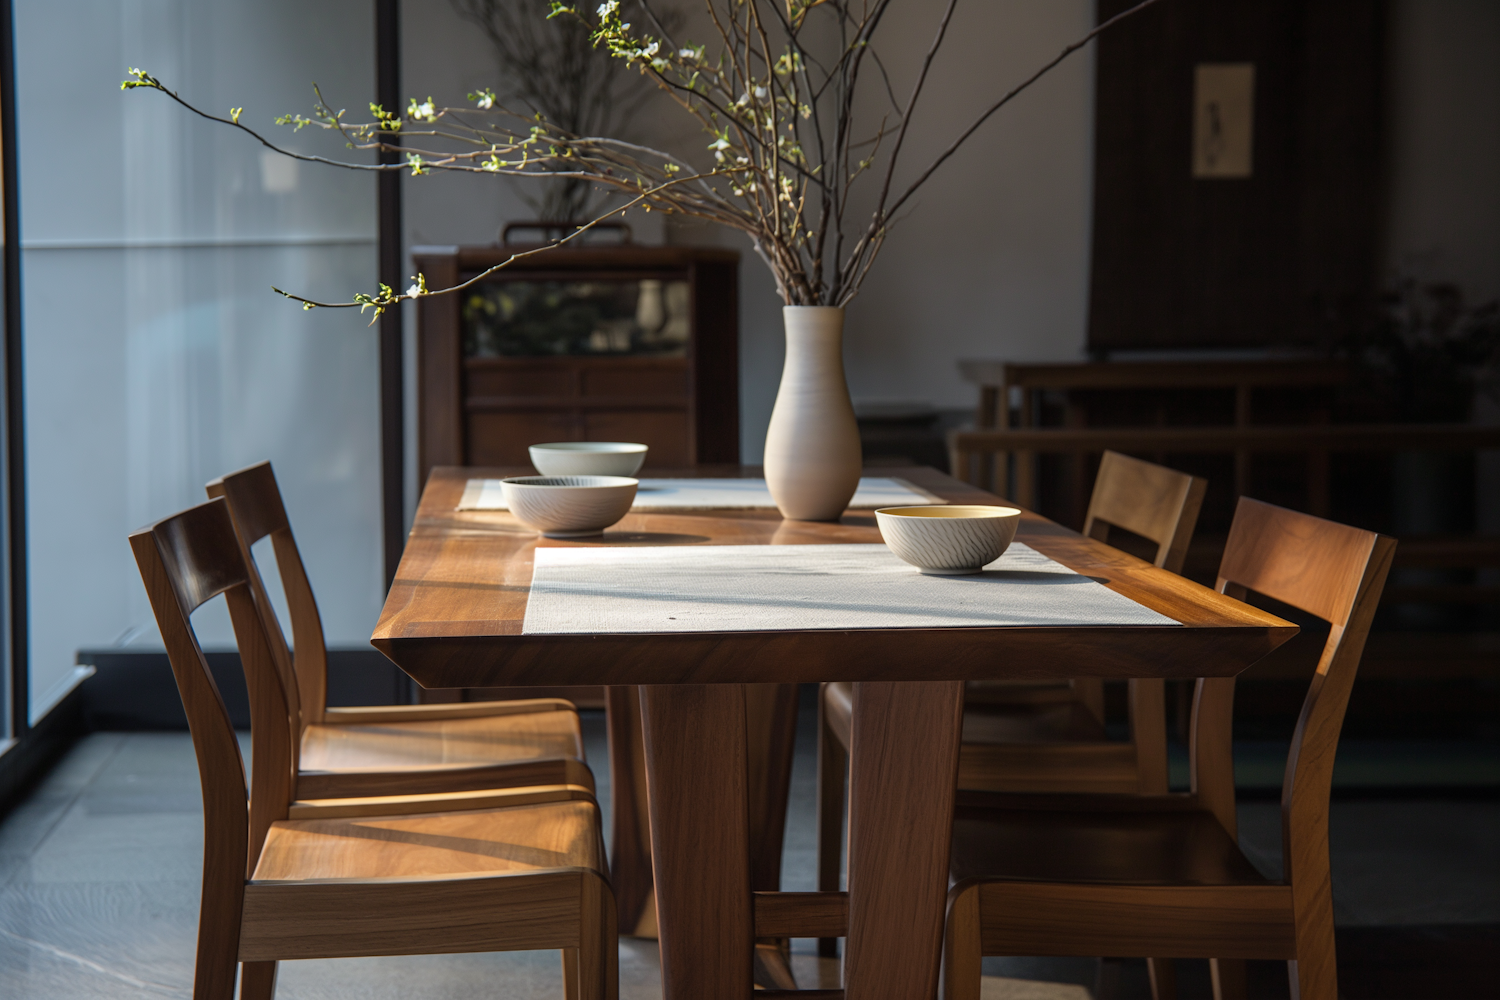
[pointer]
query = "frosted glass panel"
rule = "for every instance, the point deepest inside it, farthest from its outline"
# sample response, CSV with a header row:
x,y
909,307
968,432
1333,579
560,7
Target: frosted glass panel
x,y
157,356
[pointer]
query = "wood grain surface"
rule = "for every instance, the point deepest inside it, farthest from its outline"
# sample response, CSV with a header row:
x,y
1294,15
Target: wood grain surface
x,y
903,768
700,837
454,615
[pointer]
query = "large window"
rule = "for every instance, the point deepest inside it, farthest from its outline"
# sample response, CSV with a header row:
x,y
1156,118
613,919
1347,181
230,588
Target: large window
x,y
156,354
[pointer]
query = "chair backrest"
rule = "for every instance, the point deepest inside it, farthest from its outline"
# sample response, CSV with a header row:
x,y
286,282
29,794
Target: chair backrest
x,y
256,507
1155,502
1325,569
1161,505
186,560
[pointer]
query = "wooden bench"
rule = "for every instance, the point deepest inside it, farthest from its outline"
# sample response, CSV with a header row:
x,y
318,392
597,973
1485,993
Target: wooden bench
x,y
998,381
966,448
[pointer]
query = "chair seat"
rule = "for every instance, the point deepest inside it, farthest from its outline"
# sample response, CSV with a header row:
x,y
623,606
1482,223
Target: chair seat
x,y
454,742
1099,839
455,844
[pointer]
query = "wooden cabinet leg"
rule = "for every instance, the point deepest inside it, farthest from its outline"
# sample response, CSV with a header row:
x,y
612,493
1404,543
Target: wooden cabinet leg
x,y
700,844
630,826
903,770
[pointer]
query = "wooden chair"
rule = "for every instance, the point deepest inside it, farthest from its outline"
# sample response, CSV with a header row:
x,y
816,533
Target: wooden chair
x,y
1045,736
388,749
1163,875
498,870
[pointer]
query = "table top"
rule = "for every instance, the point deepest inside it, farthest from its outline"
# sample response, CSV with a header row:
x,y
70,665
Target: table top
x,y
454,614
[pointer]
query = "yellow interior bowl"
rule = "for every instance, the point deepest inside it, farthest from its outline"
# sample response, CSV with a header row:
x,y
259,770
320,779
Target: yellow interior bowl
x,y
948,539
951,510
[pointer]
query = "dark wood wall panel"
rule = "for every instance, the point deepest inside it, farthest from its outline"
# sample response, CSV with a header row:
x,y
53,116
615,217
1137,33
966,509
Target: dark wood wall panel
x,y
1284,256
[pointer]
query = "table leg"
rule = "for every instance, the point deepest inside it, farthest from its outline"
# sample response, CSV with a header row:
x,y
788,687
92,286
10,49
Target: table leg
x,y
903,767
700,838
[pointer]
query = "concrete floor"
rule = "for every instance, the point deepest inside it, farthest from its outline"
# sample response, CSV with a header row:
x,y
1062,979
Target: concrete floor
x,y
99,874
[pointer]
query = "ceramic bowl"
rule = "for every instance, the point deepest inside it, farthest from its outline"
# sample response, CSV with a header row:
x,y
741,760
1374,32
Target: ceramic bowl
x,y
568,506
588,458
951,539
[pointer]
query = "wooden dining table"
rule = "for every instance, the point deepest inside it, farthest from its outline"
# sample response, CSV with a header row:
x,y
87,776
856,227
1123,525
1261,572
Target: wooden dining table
x,y
454,617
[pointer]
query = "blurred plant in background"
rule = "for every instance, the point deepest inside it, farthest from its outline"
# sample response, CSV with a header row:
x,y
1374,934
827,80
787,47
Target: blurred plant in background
x,y
551,66
1427,353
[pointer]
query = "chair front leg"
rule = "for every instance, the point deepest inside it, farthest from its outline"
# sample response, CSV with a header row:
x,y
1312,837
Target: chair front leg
x,y
1228,978
596,960
833,766
963,953
1163,978
570,973
257,980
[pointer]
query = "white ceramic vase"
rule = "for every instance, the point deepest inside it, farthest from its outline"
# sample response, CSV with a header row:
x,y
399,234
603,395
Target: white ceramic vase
x,y
812,457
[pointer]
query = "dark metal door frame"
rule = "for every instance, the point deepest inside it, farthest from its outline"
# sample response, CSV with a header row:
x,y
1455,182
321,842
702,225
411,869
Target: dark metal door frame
x,y
392,346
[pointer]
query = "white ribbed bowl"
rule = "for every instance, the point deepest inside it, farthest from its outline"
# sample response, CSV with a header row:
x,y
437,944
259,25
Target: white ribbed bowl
x,y
948,540
588,458
568,506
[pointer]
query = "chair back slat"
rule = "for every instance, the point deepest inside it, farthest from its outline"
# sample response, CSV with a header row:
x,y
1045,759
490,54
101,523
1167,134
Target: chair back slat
x,y
1161,505
1152,501
258,511
1297,559
184,561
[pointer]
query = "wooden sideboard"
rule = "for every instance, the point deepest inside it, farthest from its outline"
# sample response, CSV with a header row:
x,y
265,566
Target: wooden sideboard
x,y
482,399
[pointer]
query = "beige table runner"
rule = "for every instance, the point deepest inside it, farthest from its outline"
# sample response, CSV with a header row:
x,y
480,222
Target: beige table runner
x,y
729,588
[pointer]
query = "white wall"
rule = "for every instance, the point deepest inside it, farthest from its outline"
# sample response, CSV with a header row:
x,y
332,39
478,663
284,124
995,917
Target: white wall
x,y
1444,150
992,260
157,356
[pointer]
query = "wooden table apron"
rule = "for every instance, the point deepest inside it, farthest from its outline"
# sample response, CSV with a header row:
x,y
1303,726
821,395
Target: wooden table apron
x,y
453,619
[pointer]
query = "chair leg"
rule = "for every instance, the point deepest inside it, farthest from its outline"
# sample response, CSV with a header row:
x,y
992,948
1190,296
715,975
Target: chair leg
x,y
1089,692
257,980
1314,972
1312,981
1229,978
963,951
833,767
597,958
1163,978
570,973
216,959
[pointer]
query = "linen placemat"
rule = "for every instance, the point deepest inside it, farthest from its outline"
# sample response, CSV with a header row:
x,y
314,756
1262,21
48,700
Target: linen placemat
x,y
718,494
751,588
